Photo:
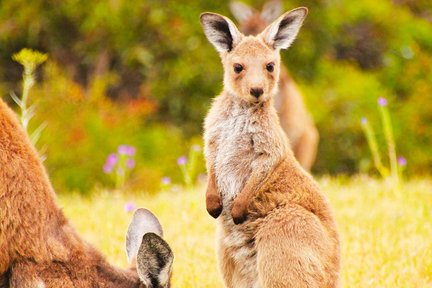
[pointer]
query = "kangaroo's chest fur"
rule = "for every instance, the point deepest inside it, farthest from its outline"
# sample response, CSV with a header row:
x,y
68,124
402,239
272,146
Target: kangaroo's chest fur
x,y
235,152
240,133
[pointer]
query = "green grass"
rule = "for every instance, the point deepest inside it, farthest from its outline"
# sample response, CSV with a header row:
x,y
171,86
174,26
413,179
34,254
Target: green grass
x,y
386,235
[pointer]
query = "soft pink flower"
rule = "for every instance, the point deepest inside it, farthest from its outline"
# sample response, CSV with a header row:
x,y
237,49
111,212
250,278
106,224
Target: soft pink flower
x,y
107,169
129,207
130,163
181,160
402,161
166,180
382,101
126,150
112,159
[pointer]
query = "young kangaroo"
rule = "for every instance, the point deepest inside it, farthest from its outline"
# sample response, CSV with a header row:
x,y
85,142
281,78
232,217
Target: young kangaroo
x,y
290,237
39,248
293,115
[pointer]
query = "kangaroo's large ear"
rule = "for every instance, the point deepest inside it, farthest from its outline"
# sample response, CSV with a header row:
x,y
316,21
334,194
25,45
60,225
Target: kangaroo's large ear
x,y
143,222
271,10
220,31
154,261
241,11
147,250
282,32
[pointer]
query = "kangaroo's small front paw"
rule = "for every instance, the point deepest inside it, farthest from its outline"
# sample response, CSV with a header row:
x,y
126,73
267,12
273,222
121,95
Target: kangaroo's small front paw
x,y
239,212
214,205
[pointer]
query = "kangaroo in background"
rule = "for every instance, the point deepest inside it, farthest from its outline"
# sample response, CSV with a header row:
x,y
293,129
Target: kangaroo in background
x,y
276,228
39,248
293,115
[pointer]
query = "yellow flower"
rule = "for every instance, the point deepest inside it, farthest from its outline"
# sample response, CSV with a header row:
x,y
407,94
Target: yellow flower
x,y
30,59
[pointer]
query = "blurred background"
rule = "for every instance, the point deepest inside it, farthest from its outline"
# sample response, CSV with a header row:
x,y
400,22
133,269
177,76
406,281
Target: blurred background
x,y
141,74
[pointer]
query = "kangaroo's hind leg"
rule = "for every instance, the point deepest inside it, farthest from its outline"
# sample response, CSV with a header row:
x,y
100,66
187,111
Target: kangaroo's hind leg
x,y
293,250
226,264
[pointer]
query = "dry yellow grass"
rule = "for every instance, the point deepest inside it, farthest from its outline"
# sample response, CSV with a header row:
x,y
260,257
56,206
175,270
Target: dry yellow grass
x,y
386,234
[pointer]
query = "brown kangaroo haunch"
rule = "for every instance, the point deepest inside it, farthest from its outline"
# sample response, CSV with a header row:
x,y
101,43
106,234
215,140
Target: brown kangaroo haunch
x,y
294,117
275,227
39,248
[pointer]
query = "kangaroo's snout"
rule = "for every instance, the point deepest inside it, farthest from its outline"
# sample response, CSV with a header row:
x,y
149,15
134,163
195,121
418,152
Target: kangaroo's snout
x,y
256,92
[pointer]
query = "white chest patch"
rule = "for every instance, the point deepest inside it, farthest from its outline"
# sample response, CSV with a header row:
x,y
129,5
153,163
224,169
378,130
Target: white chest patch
x,y
235,153
233,166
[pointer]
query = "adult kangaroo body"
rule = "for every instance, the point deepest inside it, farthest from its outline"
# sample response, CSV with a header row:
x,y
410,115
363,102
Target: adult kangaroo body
x,y
38,246
276,228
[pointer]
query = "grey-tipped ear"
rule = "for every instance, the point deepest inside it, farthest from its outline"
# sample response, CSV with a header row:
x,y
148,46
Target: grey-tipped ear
x,y
283,31
271,10
241,11
154,261
220,31
143,222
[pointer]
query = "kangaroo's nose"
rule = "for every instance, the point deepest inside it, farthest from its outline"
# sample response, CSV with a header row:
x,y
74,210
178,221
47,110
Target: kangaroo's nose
x,y
257,92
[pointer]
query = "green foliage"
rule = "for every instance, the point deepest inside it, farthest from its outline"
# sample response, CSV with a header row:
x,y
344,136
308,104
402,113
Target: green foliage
x,y
191,166
388,133
84,126
30,60
397,165
114,54
373,146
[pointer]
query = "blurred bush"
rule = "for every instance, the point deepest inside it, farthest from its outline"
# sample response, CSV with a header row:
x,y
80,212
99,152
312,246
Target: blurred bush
x,y
85,126
142,73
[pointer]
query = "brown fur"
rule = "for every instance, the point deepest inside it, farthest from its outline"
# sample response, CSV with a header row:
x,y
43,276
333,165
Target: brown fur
x,y
276,227
293,115
37,244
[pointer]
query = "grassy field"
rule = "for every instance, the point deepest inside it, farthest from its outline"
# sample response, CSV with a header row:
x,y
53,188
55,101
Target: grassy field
x,y
386,234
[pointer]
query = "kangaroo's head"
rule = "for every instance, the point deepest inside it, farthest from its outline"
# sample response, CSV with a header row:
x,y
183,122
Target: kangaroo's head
x,y
147,252
252,21
251,63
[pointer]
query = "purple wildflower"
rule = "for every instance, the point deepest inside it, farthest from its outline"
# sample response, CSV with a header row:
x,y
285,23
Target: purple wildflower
x,y
181,160
382,101
363,120
131,151
107,169
112,159
126,150
402,161
110,162
130,163
129,207
166,180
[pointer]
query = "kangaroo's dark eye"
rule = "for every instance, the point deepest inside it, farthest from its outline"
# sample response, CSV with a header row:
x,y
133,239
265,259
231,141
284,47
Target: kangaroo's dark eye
x,y
238,68
270,67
